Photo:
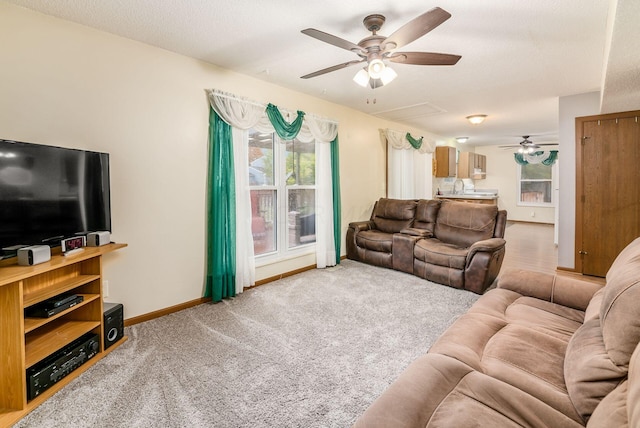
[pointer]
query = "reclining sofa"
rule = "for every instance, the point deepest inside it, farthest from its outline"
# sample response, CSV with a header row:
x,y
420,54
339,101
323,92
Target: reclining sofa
x,y
537,351
453,243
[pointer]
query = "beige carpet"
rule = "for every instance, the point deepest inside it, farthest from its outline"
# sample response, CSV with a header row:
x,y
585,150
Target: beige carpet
x,y
312,350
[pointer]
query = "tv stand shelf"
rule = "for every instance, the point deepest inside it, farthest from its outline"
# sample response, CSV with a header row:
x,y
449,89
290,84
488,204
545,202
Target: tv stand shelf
x,y
24,341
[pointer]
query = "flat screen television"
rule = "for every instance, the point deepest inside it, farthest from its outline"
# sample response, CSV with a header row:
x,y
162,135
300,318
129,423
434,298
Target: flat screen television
x,y
51,193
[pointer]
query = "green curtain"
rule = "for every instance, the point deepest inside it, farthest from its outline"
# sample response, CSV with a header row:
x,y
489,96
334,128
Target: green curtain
x,y
553,155
337,208
221,209
286,131
416,144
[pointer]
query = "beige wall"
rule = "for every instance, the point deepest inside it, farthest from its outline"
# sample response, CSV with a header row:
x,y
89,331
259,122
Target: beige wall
x,y
69,85
502,174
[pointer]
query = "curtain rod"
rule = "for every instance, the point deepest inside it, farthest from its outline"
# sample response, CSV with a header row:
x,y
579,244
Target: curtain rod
x,y
255,103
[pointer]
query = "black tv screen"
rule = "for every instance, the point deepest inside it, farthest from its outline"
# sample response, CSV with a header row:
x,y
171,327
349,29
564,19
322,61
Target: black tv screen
x,y
50,193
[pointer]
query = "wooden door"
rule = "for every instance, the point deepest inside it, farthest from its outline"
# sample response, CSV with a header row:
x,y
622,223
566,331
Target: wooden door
x,y
607,189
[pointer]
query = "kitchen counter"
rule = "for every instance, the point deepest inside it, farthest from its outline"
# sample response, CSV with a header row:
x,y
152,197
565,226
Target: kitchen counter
x,y
489,199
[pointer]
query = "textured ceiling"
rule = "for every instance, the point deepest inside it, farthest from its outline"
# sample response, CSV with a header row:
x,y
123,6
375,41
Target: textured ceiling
x,y
517,57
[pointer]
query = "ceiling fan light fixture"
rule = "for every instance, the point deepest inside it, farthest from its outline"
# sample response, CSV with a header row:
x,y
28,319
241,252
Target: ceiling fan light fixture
x,y
387,75
376,68
476,119
362,78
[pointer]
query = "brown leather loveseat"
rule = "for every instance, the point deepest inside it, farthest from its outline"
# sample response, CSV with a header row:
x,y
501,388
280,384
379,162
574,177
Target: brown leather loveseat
x,y
453,243
540,350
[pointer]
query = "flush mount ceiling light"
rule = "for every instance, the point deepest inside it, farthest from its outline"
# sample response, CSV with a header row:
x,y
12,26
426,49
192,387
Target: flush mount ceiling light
x,y
476,119
462,140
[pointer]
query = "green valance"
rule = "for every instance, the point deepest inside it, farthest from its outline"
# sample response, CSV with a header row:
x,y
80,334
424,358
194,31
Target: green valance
x,y
286,131
537,157
416,144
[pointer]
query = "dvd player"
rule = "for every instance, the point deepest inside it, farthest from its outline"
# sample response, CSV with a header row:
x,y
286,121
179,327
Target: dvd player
x,y
53,306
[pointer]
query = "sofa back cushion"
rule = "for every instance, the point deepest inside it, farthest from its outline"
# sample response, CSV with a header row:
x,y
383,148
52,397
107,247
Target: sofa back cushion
x,y
462,224
393,215
620,309
426,214
633,400
621,408
598,354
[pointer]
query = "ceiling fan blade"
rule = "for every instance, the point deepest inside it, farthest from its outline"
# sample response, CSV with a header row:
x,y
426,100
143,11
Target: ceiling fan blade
x,y
333,68
424,58
415,28
333,40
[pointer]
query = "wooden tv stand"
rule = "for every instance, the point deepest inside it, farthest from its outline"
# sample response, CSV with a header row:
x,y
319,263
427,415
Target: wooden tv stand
x,y
25,341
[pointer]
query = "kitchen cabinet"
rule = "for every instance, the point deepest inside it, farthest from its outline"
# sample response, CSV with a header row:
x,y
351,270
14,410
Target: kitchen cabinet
x,y
472,165
445,162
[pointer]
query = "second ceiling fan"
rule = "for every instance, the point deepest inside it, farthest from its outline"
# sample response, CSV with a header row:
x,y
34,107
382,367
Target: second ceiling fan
x,y
527,146
374,50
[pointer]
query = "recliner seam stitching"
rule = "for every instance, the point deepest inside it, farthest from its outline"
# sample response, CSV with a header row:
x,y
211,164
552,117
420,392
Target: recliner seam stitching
x,y
528,371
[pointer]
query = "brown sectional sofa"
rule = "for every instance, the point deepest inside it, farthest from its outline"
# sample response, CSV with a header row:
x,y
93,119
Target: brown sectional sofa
x,y
453,243
538,351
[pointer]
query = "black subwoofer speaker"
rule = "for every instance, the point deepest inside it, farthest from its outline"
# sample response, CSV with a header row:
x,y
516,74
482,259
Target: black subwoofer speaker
x,y
113,323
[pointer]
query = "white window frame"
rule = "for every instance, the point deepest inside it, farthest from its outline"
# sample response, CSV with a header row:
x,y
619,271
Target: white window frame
x,y
552,182
282,251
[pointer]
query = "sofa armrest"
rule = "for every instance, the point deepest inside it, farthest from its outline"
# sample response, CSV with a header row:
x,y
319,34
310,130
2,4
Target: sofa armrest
x,y
359,226
414,231
402,251
486,245
565,290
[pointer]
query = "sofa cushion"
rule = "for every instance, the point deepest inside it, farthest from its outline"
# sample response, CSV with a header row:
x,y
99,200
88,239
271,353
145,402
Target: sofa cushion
x,y
393,215
518,340
621,305
589,372
462,224
439,391
426,214
435,252
621,408
633,401
375,240
593,309
612,410
598,354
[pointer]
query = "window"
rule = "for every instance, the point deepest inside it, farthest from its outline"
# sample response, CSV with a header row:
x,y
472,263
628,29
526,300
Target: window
x,y
283,194
535,184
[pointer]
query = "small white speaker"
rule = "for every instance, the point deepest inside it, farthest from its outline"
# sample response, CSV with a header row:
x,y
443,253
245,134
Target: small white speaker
x,y
33,255
98,239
